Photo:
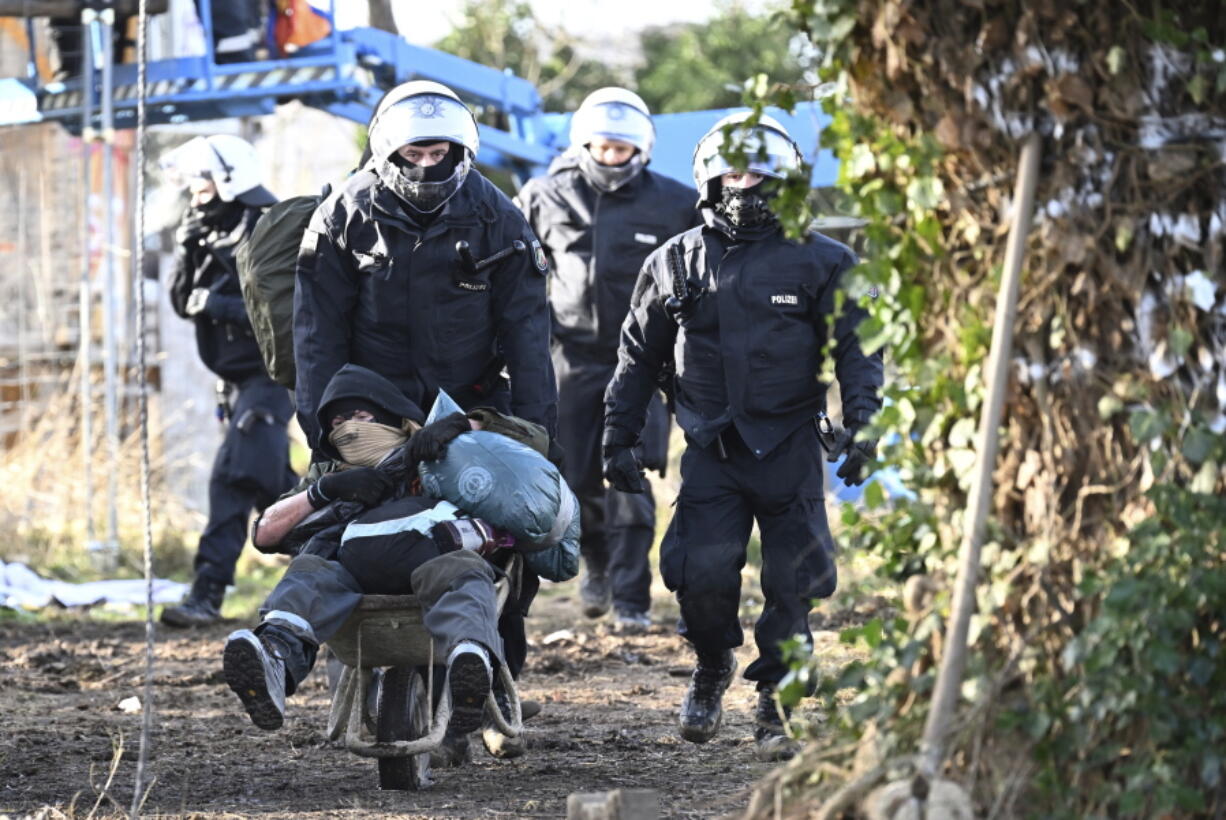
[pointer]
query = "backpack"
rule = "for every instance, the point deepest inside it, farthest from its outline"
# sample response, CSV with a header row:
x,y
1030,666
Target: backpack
x,y
266,263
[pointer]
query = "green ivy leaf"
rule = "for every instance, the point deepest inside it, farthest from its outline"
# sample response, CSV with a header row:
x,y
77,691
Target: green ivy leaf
x,y
861,163
925,193
1181,341
874,496
1147,425
1197,88
1198,444
842,27
871,632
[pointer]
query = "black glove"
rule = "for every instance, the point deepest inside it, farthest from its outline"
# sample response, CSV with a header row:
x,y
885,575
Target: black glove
x,y
430,442
191,229
858,465
621,468
365,485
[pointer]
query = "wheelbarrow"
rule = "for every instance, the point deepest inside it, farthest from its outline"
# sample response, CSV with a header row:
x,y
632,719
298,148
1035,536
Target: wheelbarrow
x,y
386,633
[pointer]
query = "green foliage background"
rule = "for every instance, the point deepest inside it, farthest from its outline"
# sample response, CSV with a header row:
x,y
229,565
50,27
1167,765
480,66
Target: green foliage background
x,y
682,67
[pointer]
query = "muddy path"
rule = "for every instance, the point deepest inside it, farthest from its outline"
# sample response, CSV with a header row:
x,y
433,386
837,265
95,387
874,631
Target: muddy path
x,y
608,722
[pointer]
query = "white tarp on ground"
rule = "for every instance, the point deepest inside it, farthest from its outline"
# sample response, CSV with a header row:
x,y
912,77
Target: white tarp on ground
x,y
21,587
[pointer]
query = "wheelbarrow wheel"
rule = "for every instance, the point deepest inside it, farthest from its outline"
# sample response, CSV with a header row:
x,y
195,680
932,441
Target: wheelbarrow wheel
x,y
403,714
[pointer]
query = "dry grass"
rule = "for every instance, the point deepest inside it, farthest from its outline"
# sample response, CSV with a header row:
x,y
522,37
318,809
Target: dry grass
x,y
44,512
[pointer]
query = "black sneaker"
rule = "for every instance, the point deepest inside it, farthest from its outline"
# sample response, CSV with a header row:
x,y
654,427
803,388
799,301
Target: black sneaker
x,y
595,592
769,733
702,709
496,743
256,673
468,677
201,607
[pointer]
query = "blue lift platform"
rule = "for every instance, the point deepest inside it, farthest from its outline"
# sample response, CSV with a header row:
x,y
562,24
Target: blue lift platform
x,y
346,74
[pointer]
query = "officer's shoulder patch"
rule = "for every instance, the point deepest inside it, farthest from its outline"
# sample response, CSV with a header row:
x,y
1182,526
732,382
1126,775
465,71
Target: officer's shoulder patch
x,y
538,256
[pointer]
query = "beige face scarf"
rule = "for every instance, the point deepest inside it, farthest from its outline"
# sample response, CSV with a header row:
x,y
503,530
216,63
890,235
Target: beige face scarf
x,y
366,443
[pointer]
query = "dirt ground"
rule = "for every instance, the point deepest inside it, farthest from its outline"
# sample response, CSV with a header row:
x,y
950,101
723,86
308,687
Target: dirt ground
x,y
610,704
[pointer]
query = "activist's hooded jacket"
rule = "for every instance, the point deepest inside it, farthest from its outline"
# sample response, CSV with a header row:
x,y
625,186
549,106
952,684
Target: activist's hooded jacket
x,y
356,382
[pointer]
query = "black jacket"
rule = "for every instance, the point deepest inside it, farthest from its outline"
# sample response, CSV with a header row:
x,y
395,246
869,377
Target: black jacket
x,y
747,343
377,289
224,338
596,243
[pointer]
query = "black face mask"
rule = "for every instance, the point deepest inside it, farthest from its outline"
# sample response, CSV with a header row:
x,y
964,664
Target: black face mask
x,y
216,213
433,173
748,207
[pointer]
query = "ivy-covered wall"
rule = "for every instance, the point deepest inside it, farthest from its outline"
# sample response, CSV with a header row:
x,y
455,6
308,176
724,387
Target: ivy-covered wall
x,y
1097,685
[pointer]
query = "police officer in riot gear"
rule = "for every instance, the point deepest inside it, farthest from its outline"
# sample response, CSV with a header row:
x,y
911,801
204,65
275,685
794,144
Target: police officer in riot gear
x,y
746,316
422,271
599,213
419,269
252,466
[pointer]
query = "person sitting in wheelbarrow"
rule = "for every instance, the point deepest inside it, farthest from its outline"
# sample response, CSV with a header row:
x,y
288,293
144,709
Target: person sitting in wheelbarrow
x,y
403,542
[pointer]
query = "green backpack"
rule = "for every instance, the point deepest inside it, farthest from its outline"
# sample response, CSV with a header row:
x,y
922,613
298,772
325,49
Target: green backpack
x,y
266,264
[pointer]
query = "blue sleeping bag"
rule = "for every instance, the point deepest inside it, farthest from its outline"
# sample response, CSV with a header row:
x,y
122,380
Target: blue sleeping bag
x,y
511,486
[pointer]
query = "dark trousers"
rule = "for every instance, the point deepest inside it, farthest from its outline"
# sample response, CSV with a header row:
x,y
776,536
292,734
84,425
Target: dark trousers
x,y
704,548
618,528
250,471
316,596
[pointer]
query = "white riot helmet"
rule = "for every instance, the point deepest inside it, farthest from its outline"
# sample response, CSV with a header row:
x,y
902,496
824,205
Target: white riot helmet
x,y
769,148
614,114
422,111
229,162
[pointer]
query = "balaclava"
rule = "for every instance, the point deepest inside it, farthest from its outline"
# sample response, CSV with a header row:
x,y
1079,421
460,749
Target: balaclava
x,y
609,178
365,443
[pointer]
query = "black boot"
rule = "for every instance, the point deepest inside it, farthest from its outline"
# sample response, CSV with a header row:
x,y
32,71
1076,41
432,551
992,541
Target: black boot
x,y
201,607
254,669
769,733
702,708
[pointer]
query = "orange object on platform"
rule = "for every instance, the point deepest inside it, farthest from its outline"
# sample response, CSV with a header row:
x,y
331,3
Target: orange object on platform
x,y
298,25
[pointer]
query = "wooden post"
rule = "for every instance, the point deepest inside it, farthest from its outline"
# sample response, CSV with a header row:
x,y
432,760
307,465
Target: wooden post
x,y
949,678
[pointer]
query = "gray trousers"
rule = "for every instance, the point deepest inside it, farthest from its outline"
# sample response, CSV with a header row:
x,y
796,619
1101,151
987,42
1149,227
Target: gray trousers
x,y
316,596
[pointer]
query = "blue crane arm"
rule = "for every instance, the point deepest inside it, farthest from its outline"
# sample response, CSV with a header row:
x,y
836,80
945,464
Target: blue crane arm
x,y
346,74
